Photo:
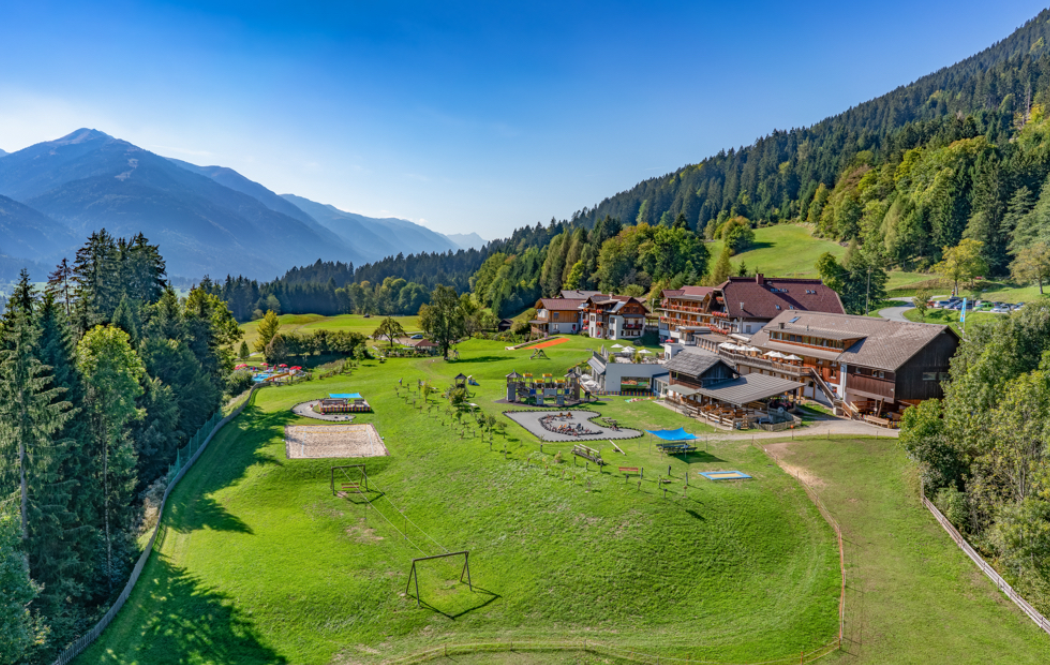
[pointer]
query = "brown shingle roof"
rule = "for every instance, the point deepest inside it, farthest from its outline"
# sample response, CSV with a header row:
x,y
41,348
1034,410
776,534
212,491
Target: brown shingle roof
x,y
765,298
694,361
886,345
559,304
688,292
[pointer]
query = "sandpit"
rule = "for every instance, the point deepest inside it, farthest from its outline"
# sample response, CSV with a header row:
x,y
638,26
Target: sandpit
x,y
332,441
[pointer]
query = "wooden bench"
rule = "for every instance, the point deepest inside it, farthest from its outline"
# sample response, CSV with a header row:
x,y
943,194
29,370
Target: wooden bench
x,y
628,470
354,487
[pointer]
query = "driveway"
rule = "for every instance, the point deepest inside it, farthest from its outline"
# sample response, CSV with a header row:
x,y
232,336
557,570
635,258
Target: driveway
x,y
896,313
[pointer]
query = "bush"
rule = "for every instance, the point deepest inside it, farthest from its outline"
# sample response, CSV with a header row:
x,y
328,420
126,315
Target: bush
x,y
955,506
238,382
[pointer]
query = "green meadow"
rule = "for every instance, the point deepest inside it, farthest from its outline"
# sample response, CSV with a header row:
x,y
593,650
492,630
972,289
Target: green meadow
x,y
347,322
258,562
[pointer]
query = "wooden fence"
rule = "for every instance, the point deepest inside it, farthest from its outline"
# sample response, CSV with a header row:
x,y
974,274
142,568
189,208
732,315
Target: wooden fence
x,y
87,638
1000,583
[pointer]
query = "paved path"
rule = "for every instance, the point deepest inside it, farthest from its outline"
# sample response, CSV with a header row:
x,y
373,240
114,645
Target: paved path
x,y
826,426
306,409
896,313
530,420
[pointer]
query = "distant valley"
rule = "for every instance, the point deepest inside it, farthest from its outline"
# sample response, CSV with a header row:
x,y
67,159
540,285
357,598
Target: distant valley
x,y
208,220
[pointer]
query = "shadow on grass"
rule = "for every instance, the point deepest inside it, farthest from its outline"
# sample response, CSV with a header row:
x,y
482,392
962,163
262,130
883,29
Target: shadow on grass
x,y
190,623
204,512
700,456
482,602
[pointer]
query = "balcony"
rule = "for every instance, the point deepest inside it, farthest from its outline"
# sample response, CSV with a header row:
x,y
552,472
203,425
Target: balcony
x,y
870,385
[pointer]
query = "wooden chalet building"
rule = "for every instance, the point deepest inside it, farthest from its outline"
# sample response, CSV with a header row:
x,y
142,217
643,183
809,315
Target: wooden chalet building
x,y
740,305
608,316
556,316
866,366
707,385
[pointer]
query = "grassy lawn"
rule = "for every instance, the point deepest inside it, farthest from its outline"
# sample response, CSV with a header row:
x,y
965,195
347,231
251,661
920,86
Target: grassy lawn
x,y
951,317
912,596
791,250
259,563
350,322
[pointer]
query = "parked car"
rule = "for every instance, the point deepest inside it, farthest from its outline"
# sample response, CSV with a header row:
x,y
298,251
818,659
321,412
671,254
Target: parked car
x,y
417,336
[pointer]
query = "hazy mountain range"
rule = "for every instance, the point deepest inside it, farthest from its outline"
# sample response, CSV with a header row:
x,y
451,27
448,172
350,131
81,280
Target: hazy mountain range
x,y
206,219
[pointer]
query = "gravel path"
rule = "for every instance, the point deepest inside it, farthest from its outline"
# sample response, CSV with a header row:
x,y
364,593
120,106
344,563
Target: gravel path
x,y
827,426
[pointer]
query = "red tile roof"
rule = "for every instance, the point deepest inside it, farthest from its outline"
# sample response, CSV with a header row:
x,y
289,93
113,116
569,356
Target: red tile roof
x,y
759,297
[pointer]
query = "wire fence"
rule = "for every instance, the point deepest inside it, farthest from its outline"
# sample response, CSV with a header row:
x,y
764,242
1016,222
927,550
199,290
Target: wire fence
x,y
185,458
1000,583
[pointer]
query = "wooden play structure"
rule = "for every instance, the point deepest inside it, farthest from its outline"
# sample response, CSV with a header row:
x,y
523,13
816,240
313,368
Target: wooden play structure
x,y
545,389
588,453
539,354
349,484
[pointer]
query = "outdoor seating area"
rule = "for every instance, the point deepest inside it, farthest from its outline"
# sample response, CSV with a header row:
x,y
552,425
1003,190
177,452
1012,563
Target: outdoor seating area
x,y
342,403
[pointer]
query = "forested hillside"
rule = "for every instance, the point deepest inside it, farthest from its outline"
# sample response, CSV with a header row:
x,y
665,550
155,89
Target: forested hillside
x,y
103,378
960,153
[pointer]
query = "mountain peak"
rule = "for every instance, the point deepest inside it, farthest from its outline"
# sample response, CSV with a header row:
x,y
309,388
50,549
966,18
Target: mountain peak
x,y
82,135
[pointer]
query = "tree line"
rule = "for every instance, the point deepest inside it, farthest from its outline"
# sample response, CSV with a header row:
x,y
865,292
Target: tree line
x,y
103,376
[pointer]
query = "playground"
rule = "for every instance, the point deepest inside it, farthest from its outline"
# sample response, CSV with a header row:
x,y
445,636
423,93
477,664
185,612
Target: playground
x,y
566,426
333,441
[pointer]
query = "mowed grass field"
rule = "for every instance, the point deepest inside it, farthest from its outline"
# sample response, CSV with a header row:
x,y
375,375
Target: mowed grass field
x,y
951,317
350,322
912,596
259,562
791,250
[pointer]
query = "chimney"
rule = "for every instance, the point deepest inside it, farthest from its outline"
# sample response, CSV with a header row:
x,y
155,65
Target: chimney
x,y
781,325
759,279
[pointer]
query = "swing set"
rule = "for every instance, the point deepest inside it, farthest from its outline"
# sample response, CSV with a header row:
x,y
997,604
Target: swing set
x,y
414,575
357,487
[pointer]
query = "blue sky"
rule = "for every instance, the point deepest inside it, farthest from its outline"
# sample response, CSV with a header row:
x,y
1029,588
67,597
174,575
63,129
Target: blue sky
x,y
466,116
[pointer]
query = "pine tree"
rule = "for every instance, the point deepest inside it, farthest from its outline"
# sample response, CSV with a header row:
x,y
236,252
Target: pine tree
x,y
267,329
244,352
723,269
112,373
17,591
60,283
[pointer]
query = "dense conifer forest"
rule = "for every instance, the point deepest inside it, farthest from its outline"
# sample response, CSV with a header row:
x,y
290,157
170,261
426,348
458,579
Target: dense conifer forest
x,y
958,154
103,377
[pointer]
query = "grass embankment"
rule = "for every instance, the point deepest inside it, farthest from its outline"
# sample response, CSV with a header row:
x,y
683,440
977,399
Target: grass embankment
x,y
348,322
259,563
912,596
950,317
791,250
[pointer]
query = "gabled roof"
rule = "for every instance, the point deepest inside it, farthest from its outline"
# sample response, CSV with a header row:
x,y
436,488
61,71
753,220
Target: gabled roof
x,y
560,304
885,345
748,388
689,292
613,303
759,297
694,361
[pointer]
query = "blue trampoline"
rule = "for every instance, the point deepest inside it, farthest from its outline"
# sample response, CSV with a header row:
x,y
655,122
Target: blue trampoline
x,y
672,434
345,396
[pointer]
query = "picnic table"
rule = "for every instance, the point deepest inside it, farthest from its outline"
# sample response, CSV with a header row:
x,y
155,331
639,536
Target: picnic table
x,y
676,448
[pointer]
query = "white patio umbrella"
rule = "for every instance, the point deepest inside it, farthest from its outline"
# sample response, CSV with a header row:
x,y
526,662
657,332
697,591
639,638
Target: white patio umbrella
x,y
775,354
617,346
792,357
728,346
645,352
752,349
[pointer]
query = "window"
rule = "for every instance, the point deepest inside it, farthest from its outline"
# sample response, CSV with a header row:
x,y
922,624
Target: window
x,y
943,376
882,375
795,319
778,306
929,376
